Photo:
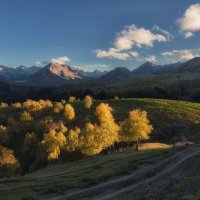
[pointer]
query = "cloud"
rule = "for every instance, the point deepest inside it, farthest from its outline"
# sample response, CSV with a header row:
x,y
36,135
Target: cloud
x,y
92,66
60,60
166,33
132,36
190,22
151,58
112,53
134,54
180,55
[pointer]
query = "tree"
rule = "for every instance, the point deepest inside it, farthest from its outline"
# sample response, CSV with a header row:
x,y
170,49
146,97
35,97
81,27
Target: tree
x,y
16,105
29,148
88,101
136,128
73,140
3,105
25,117
9,165
58,107
53,142
90,141
72,99
99,136
107,127
3,135
69,112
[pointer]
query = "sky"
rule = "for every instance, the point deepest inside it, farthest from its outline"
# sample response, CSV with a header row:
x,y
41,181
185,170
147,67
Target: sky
x,y
98,34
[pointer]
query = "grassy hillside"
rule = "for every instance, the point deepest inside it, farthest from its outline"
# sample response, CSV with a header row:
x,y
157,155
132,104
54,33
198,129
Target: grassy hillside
x,y
81,174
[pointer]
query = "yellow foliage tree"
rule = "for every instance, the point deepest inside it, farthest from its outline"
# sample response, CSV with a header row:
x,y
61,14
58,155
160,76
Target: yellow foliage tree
x,y
9,165
54,142
73,140
32,105
3,105
16,105
136,128
88,101
90,143
69,112
72,99
58,107
100,136
25,117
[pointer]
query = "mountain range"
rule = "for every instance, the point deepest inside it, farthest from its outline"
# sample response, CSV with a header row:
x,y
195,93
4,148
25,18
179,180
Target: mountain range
x,y
56,75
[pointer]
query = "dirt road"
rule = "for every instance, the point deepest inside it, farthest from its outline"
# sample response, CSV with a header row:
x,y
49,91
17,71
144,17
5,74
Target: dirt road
x,y
110,189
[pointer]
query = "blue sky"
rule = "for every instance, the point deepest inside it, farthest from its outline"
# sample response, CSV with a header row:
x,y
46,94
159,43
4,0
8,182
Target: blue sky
x,y
98,34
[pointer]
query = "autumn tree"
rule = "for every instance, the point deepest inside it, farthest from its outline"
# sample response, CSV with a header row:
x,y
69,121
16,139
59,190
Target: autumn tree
x,y
3,105
69,112
16,105
72,99
90,143
102,135
25,117
9,165
88,101
53,142
32,105
58,107
73,139
136,127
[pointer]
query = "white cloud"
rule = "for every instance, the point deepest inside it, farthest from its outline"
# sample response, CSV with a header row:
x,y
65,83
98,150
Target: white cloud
x,y
60,60
190,22
166,33
180,55
95,66
132,36
151,58
112,53
134,54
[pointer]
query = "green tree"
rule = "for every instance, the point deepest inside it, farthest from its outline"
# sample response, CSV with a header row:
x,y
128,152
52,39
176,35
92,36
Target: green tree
x,y
29,148
136,127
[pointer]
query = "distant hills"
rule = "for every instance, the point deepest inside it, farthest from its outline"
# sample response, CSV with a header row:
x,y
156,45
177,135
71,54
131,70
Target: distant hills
x,y
55,81
56,75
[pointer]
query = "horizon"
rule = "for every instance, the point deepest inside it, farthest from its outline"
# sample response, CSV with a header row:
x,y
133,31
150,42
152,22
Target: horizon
x,y
98,36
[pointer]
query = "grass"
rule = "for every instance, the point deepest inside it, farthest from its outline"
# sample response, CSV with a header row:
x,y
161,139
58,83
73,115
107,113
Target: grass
x,y
80,174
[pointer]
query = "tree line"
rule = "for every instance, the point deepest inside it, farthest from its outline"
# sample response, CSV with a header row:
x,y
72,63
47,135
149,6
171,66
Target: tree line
x,y
29,142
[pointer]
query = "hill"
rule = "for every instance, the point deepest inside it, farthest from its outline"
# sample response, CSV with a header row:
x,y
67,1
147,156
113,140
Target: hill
x,y
173,122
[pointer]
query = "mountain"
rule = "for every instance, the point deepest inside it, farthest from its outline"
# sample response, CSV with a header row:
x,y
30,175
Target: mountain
x,y
117,74
53,75
190,66
17,74
167,69
147,68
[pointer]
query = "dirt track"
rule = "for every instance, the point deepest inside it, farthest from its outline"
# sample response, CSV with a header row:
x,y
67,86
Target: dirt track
x,y
113,188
